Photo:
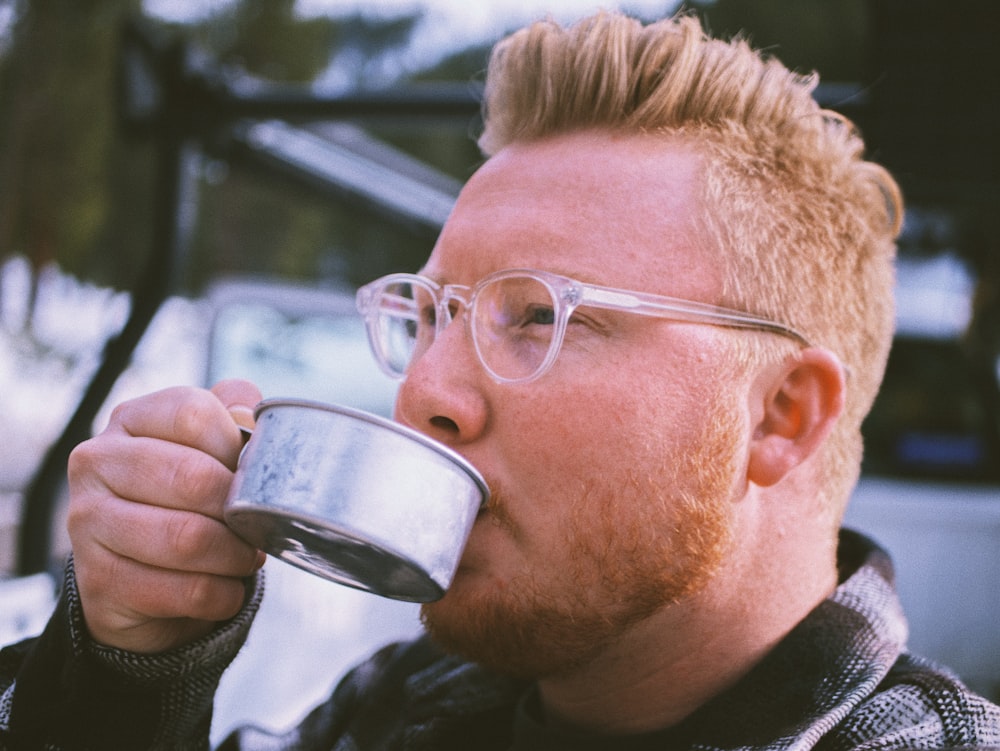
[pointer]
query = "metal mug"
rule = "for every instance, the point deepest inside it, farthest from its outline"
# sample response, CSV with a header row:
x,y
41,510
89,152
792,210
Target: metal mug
x,y
354,498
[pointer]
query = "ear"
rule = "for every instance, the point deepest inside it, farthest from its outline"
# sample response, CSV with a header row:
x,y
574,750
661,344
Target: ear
x,y
801,406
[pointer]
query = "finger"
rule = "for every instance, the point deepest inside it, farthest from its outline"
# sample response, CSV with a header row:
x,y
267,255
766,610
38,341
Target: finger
x,y
149,471
125,593
184,415
171,539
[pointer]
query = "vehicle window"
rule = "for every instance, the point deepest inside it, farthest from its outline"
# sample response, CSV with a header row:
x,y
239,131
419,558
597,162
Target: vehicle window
x,y
936,416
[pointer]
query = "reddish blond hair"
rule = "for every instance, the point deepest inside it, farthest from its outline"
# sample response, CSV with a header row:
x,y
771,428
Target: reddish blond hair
x,y
804,227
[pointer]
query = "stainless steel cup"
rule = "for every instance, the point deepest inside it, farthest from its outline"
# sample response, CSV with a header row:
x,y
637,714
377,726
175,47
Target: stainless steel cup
x,y
354,498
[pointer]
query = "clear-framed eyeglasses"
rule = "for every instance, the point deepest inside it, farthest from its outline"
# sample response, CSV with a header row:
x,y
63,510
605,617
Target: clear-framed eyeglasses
x,y
516,318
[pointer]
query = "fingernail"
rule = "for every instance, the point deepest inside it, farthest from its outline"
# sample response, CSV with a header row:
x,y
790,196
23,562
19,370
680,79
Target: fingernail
x,y
242,416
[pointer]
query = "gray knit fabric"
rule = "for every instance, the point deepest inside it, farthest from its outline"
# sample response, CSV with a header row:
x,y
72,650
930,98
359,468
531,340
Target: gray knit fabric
x,y
840,680
180,682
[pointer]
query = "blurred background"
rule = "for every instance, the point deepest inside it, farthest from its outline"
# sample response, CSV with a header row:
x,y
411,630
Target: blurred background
x,y
192,190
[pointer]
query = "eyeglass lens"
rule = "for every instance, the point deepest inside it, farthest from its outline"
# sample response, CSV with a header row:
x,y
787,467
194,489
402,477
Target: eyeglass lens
x,y
398,325
512,321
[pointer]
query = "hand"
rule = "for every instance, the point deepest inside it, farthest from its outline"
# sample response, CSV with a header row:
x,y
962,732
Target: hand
x,y
155,565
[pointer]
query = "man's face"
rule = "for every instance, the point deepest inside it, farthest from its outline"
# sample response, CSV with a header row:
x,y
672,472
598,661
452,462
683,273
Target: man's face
x,y
613,475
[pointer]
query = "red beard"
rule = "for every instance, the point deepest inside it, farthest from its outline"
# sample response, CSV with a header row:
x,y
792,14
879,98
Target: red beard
x,y
634,545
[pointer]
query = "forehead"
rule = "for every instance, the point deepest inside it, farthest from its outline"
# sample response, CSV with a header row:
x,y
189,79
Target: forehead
x,y
619,210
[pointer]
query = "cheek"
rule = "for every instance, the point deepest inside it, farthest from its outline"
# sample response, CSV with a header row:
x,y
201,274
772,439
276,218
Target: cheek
x,y
563,439
613,432
553,453
596,429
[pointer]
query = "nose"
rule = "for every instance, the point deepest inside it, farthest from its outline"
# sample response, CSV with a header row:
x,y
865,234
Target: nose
x,y
442,395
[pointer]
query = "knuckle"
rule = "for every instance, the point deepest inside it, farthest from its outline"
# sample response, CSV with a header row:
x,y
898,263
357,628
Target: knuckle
x,y
213,598
191,416
196,476
118,413
84,459
201,594
78,517
101,581
84,511
189,536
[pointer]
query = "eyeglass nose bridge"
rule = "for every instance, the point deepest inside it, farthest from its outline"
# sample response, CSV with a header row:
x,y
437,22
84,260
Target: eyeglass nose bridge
x,y
448,294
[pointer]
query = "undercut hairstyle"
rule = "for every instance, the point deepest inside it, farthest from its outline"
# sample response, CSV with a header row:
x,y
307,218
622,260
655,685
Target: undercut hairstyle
x,y
801,224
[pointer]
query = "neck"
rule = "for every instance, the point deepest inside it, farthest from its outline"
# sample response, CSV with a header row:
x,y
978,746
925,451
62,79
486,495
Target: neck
x,y
665,667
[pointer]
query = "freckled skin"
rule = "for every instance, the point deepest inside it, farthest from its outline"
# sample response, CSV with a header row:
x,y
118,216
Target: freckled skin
x,y
599,468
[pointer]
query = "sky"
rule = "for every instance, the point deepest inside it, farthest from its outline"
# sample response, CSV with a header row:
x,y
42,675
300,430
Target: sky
x,y
449,24
479,18
446,26
488,18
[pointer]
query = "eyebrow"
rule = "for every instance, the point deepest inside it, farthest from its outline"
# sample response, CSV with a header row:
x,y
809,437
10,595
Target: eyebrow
x,y
569,274
422,271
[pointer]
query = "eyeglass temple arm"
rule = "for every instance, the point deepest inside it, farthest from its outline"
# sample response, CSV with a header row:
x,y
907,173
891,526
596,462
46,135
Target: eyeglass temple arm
x,y
685,310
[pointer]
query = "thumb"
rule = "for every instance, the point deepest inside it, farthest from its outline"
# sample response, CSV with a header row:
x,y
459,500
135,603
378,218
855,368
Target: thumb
x,y
239,397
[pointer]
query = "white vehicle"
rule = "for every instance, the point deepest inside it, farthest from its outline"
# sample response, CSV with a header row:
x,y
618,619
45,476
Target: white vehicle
x,y
930,489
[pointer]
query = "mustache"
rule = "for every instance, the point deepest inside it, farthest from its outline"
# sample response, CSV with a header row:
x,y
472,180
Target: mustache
x,y
497,509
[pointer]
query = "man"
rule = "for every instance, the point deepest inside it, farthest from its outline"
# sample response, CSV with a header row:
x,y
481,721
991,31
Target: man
x,y
671,289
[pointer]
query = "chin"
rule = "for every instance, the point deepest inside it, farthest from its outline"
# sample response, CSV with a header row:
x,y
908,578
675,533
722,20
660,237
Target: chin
x,y
515,630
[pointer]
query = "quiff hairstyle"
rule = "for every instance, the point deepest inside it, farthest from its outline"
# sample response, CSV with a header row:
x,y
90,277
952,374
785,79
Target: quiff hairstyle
x,y
803,226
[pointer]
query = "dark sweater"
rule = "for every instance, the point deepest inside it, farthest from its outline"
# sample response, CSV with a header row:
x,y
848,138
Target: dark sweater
x,y
840,680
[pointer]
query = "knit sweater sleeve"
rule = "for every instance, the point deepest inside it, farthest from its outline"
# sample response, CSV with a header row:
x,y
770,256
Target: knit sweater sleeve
x,y
62,691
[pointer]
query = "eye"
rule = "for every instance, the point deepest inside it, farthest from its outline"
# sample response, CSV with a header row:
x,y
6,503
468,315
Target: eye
x,y
542,315
415,324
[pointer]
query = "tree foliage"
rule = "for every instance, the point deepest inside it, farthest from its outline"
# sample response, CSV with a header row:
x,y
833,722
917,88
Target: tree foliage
x,y
55,124
76,191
